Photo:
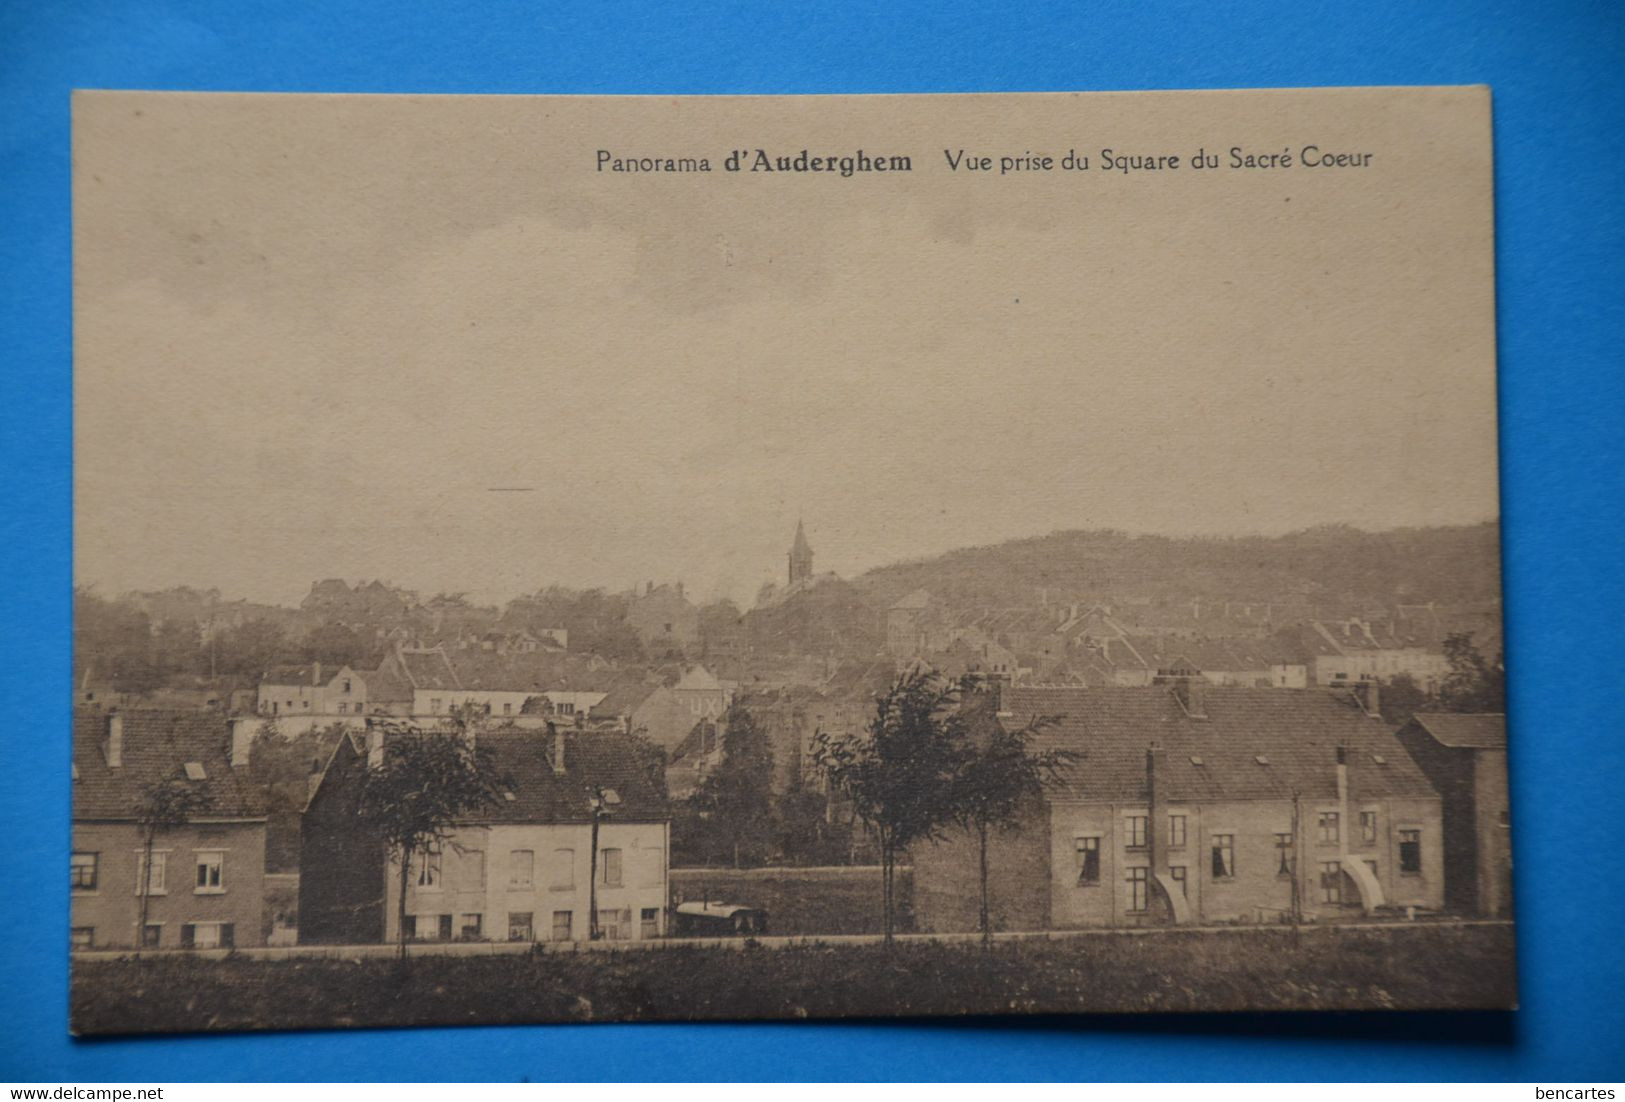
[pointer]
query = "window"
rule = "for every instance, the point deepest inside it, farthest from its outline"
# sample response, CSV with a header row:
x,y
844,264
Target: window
x,y
649,923
207,935
346,688
1371,863
561,925
615,925
507,708
1224,856
1137,887
434,704
82,869
612,868
521,868
1088,850
445,927
519,926
211,870
1176,873
1331,882
567,708
1410,851
152,935
1283,854
468,929
1134,836
1368,828
1330,830
409,927
1176,832
160,872
82,937
429,870
564,870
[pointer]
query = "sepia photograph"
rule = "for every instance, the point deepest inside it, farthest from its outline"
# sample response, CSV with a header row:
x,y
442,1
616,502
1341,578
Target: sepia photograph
x,y
649,558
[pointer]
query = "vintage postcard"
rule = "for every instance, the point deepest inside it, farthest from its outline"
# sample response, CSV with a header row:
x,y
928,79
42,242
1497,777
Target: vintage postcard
x,y
600,558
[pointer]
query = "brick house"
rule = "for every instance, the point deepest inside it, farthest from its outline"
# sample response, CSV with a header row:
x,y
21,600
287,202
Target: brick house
x,y
519,871
1190,803
207,888
1465,756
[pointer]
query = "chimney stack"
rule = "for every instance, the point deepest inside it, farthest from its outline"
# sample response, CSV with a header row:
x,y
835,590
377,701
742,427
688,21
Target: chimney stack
x,y
375,746
1191,691
316,674
1368,693
558,752
242,739
115,741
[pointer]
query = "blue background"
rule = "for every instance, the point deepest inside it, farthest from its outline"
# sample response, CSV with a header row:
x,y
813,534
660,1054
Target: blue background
x,y
1556,69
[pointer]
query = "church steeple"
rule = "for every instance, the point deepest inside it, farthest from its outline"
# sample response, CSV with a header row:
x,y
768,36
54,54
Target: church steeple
x,y
801,556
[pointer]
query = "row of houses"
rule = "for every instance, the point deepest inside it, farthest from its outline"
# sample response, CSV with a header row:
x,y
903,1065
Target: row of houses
x,y
1183,802
519,686
1099,645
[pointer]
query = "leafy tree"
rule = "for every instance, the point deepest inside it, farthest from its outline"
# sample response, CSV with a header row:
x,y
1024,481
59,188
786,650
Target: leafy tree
x,y
1473,684
899,775
334,645
739,795
251,648
428,779
997,773
1402,698
163,805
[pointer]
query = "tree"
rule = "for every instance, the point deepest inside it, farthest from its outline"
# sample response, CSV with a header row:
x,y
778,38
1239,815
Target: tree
x,y
996,775
899,774
739,795
1402,698
1473,684
163,805
428,779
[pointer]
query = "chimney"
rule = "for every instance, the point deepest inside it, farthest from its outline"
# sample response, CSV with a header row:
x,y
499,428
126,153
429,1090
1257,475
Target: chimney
x,y
558,753
375,746
1192,695
115,740
1368,693
316,674
242,739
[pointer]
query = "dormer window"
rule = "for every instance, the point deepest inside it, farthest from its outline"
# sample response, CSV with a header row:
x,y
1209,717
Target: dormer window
x,y
194,771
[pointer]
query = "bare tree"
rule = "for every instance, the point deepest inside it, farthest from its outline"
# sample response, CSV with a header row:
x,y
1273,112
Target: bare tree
x,y
427,780
899,774
998,772
163,805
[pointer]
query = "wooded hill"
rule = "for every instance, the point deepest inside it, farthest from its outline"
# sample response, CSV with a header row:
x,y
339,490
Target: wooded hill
x,y
1334,564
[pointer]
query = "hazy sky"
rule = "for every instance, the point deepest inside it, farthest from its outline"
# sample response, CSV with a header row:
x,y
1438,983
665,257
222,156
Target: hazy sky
x,y
312,333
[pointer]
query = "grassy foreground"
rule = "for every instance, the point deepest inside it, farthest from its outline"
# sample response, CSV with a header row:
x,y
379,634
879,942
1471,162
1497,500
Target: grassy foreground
x,y
1422,966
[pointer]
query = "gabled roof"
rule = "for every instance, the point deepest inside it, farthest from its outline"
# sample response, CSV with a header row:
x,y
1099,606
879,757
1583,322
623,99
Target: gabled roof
x,y
624,697
157,745
428,669
1465,731
303,675
1298,732
523,758
698,679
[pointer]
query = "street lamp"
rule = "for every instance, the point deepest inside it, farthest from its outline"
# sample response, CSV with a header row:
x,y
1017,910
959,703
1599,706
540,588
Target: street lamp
x,y
601,802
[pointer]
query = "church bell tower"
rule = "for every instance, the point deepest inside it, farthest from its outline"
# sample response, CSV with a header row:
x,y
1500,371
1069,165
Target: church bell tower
x,y
800,557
